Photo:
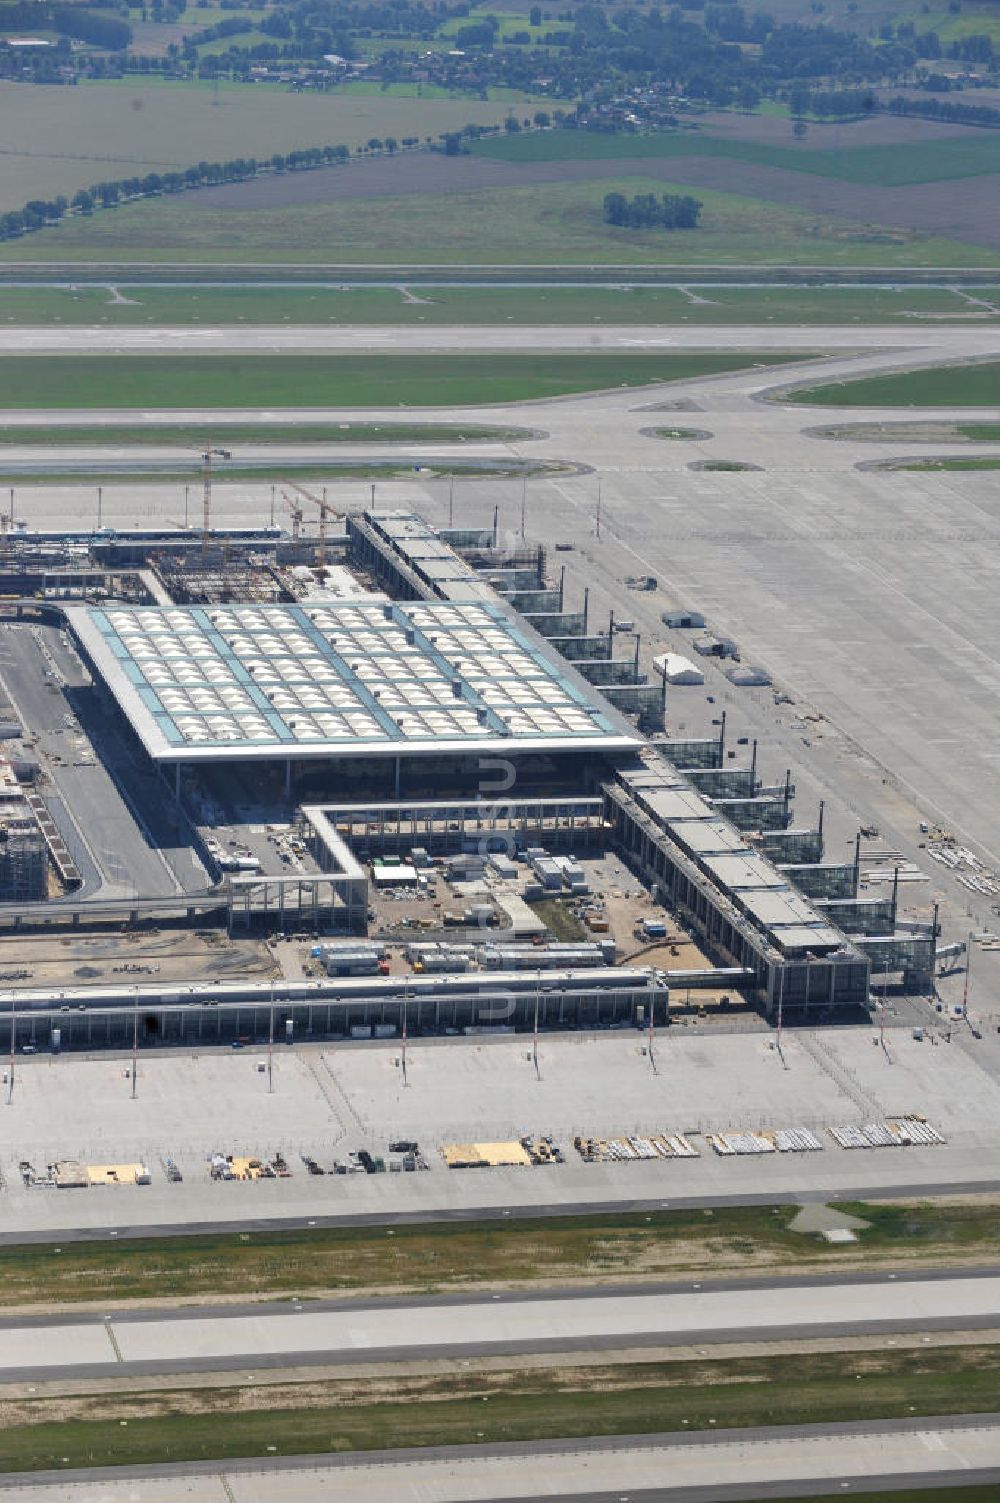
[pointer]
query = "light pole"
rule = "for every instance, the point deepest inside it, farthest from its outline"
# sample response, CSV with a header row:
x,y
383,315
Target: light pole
x,y
187,492
100,503
451,502
534,1034
13,1048
406,990
135,1036
597,527
272,505
524,504
652,1035
270,1047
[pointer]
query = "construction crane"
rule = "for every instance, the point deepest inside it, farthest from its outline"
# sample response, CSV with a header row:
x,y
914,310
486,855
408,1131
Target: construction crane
x,y
295,512
325,511
207,455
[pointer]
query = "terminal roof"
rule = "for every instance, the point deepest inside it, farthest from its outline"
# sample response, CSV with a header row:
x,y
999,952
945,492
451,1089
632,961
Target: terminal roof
x,y
347,678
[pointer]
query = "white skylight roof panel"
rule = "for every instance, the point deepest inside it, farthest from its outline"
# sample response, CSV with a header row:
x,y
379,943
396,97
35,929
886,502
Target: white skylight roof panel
x,y
348,672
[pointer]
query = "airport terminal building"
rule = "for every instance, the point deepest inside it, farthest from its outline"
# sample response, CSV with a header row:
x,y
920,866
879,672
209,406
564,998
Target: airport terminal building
x,y
452,686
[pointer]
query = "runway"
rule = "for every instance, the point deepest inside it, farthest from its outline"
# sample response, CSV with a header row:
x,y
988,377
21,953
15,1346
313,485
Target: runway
x,y
269,338
278,338
191,1340
724,1468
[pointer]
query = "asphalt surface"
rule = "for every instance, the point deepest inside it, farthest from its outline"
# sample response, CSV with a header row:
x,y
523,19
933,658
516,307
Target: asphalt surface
x,y
767,1462
433,1215
211,1339
112,814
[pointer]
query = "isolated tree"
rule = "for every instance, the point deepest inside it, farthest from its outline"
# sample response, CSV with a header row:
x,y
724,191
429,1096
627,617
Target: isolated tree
x,y
615,208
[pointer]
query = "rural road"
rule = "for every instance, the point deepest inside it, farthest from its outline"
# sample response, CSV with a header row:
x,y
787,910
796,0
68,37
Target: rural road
x,y
213,1340
724,1468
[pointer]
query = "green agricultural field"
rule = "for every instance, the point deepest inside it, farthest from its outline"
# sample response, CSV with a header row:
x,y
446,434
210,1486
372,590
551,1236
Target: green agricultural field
x,y
306,380
423,304
641,1398
972,155
555,224
952,25
973,385
59,139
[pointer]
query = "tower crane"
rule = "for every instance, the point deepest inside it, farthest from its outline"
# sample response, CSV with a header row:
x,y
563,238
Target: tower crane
x,y
295,512
207,454
325,511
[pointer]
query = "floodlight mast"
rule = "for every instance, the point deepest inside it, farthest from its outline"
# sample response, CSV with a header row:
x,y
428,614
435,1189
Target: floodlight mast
x,y
534,1036
652,1033
135,1036
270,1046
406,988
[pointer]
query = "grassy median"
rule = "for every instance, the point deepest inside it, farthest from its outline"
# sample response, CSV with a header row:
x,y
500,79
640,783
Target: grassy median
x,y
307,381
359,1414
423,303
464,1255
193,435
972,385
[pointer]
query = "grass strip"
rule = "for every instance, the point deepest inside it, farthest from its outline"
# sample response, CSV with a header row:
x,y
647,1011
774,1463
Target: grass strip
x,y
525,1405
930,465
737,1239
429,304
191,435
311,381
284,470
980,432
973,385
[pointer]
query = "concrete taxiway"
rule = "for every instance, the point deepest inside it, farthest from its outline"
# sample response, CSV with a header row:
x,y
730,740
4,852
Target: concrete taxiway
x,y
190,1339
723,1468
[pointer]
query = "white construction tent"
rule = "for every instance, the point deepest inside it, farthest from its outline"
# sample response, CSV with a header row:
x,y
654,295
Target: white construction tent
x,y
676,669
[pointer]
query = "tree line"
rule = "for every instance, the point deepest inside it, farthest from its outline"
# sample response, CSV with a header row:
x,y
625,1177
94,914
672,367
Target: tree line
x,y
945,109
38,213
674,211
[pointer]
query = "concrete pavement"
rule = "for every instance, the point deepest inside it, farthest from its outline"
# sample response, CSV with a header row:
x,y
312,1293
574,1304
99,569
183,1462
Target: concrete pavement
x,y
267,339
731,1465
212,1340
